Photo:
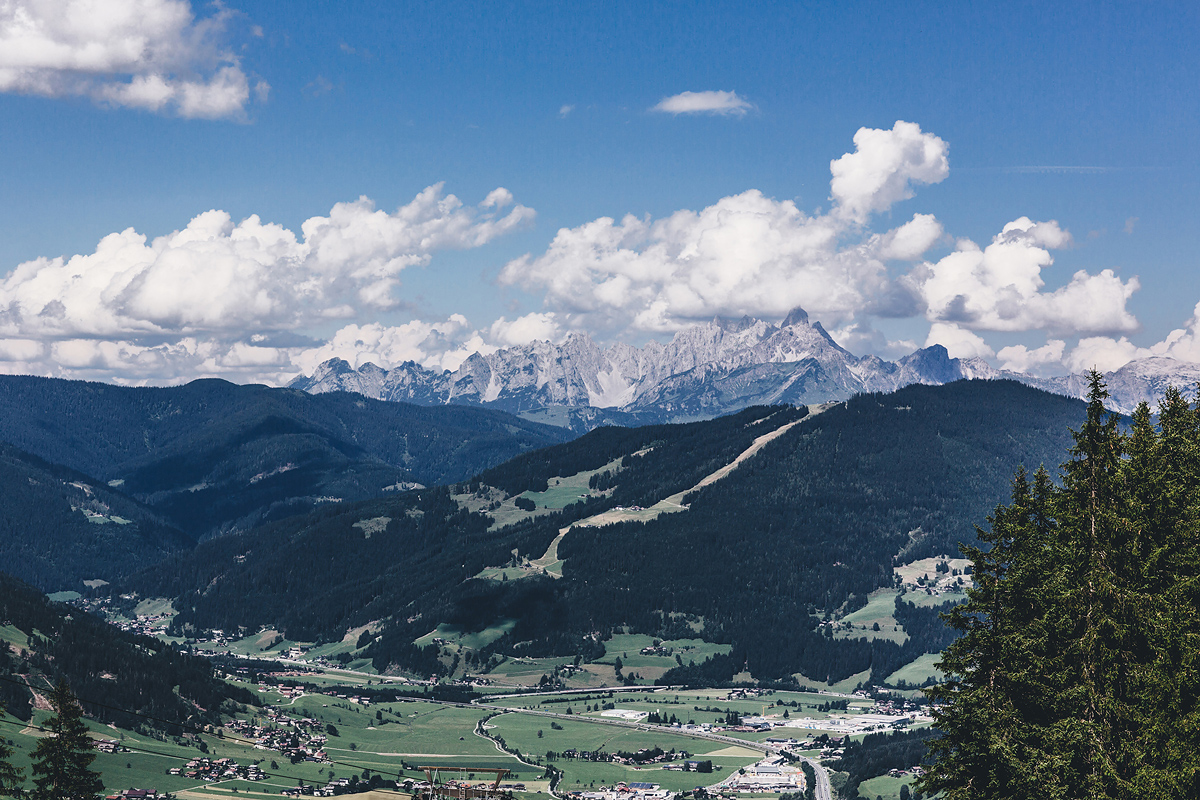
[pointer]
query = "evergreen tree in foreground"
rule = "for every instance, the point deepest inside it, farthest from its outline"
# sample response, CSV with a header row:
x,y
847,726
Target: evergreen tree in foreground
x,y
62,762
10,776
1077,671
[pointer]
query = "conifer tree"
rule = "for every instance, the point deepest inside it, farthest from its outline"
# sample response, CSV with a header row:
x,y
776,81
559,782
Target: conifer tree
x,y
1077,674
1097,610
62,761
1168,541
10,776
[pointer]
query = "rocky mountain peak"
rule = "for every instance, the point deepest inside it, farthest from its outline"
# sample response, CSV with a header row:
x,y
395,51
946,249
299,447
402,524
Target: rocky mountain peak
x,y
797,316
704,371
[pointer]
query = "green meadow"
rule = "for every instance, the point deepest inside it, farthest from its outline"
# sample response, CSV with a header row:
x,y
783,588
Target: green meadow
x,y
522,732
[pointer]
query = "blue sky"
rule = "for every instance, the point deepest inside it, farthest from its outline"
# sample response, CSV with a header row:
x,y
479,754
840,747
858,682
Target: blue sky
x,y
1084,114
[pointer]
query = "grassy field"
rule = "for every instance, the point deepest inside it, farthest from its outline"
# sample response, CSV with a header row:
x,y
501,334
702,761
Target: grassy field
x,y
377,738
918,671
522,732
264,644
928,600
380,737
881,605
927,568
154,606
560,492
627,647
473,640
515,672
146,765
698,706
845,686
884,787
13,636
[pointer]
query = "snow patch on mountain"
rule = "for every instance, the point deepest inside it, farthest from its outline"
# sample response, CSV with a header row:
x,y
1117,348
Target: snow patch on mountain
x,y
704,371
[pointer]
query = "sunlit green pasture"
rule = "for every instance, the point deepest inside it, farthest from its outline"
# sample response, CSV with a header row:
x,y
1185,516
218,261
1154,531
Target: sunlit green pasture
x,y
521,731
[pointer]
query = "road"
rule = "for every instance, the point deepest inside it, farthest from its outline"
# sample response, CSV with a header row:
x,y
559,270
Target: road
x,y
823,790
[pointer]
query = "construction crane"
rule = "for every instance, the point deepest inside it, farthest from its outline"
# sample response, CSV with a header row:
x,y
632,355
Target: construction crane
x,y
460,789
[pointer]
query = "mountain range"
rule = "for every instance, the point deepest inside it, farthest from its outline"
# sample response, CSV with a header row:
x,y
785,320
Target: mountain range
x,y
101,480
705,371
732,529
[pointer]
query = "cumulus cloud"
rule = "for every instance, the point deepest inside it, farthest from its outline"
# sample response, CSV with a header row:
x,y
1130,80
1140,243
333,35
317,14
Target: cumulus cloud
x,y
528,328
1020,358
912,239
435,345
720,103
1106,353
748,253
154,55
218,276
242,299
860,337
186,304
883,168
1000,287
138,363
959,342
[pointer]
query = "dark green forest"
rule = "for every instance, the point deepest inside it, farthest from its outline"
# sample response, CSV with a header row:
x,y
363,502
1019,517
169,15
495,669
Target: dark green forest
x,y
212,457
315,576
811,525
816,520
112,672
878,753
1077,671
47,538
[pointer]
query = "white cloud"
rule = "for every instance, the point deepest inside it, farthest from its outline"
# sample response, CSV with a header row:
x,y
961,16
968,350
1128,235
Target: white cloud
x,y
132,363
1104,353
860,337
435,345
745,254
22,350
241,299
204,288
959,342
721,103
1107,354
999,288
526,329
148,54
1020,358
565,110
910,241
884,166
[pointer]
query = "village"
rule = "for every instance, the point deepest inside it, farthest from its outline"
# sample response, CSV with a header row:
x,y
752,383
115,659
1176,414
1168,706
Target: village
x,y
297,739
219,769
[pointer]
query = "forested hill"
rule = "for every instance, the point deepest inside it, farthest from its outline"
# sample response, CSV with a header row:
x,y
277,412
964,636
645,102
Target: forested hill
x,y
345,565
818,519
212,456
59,527
112,672
806,528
